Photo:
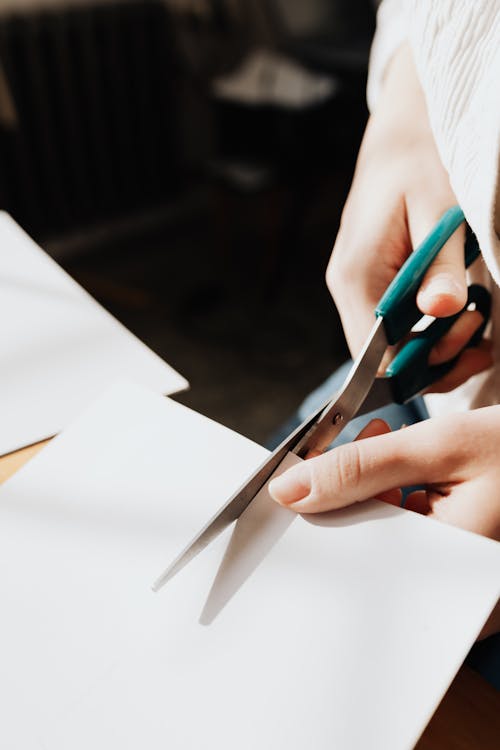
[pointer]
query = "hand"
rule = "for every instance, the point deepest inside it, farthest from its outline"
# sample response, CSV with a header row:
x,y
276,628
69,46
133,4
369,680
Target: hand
x,y
455,458
400,189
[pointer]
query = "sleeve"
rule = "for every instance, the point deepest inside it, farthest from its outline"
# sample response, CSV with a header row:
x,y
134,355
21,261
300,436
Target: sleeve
x,y
392,31
456,46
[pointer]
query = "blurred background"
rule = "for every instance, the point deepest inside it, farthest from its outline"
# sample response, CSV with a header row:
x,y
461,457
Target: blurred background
x,y
187,162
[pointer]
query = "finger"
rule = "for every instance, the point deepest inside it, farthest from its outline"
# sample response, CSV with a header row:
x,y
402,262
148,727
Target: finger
x,y
389,355
418,502
457,337
371,246
443,290
469,507
380,427
392,497
366,468
374,427
313,454
471,362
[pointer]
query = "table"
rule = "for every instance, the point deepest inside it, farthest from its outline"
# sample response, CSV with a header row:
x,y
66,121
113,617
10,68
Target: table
x,y
468,717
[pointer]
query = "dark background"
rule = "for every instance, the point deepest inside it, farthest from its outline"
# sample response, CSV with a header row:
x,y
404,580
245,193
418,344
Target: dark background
x,y
203,224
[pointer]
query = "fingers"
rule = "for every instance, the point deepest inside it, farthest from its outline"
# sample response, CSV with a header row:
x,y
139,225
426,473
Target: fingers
x,y
374,427
443,291
380,427
418,502
470,507
393,497
471,362
371,246
457,337
367,468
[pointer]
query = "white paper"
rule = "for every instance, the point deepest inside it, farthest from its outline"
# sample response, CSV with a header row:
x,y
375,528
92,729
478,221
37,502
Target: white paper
x,y
341,631
58,348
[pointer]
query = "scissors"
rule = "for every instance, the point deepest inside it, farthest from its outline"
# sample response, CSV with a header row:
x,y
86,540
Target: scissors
x,y
362,391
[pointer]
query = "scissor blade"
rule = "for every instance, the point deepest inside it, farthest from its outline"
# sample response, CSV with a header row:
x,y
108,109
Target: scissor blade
x,y
317,431
357,386
379,395
236,504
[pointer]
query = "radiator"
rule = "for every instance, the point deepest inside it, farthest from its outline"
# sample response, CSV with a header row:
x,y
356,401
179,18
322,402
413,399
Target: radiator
x,y
94,136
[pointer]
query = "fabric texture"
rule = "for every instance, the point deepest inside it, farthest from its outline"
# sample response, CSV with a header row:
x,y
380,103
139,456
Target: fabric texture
x,y
456,46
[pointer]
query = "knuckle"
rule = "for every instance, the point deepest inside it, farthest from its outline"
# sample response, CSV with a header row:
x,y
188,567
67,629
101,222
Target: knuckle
x,y
349,466
341,269
330,275
337,272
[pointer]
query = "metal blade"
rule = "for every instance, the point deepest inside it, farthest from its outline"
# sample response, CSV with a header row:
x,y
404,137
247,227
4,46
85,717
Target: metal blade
x,y
379,395
236,504
316,432
353,393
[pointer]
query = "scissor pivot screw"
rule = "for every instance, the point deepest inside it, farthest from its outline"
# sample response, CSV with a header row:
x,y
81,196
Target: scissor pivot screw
x,y
338,418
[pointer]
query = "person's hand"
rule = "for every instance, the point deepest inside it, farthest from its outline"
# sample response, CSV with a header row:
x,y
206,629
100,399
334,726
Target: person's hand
x,y
454,458
400,189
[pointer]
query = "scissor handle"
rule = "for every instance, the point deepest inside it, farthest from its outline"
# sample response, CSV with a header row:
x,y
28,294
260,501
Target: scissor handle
x,y
409,371
398,306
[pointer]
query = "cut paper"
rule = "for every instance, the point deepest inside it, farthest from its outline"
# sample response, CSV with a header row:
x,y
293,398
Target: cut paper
x,y
339,631
258,529
59,349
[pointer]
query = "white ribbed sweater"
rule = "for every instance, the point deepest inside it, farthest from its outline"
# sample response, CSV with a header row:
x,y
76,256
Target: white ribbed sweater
x,y
456,46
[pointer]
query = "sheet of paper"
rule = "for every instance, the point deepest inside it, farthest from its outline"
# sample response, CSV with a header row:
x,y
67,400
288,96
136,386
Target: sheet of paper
x,y
341,631
58,348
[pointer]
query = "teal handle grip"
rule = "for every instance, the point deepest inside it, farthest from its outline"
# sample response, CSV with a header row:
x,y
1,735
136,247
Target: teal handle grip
x,y
409,371
398,306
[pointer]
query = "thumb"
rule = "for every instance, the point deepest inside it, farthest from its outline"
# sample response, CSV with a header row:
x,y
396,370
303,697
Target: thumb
x,y
443,291
365,469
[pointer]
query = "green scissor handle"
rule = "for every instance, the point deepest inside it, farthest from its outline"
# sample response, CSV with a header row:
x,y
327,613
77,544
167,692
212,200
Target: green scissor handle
x,y
398,306
409,372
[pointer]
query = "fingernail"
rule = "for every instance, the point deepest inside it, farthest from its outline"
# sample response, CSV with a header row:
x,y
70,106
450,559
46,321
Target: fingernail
x,y
443,285
292,486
